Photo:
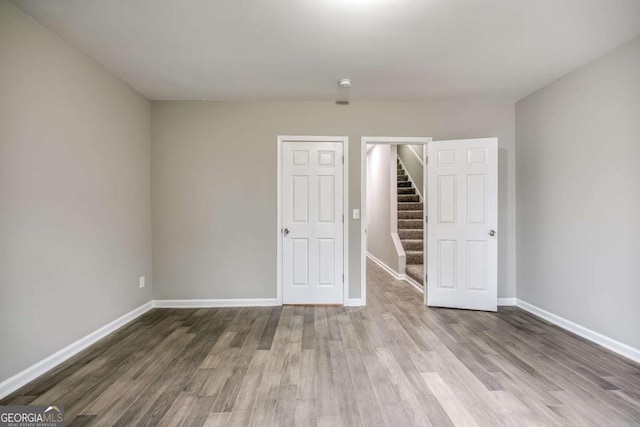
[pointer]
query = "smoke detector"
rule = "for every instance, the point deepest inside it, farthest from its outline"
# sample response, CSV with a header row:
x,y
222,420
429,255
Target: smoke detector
x,y
344,83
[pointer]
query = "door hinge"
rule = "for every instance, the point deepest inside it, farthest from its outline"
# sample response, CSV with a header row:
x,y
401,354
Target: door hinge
x,y
343,160
342,277
343,218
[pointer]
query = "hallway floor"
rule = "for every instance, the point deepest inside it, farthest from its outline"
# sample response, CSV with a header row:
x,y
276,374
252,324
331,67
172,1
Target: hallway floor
x,y
394,362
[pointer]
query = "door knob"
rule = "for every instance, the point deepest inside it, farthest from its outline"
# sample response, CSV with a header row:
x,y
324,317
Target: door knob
x,y
285,231
492,233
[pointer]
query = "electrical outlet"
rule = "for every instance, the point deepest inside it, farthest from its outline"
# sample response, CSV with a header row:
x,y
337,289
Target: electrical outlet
x,y
141,281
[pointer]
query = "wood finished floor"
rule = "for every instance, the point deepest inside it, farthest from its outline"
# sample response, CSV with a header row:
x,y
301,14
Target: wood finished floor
x,y
393,363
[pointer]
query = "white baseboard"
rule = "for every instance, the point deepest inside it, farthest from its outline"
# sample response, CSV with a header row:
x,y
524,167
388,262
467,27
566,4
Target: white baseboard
x,y
213,303
395,275
13,383
507,301
413,283
353,302
386,268
593,336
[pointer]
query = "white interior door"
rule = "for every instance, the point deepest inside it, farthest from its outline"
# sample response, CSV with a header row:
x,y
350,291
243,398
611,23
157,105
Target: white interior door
x,y
312,223
462,245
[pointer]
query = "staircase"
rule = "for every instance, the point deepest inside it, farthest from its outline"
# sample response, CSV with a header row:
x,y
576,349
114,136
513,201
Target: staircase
x,y
411,226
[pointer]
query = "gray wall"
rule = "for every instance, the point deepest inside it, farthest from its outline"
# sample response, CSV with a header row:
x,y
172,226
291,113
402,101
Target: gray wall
x,y
413,166
379,240
214,183
75,222
578,145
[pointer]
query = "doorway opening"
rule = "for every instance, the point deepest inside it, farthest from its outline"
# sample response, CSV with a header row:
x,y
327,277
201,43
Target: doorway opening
x,y
459,218
394,205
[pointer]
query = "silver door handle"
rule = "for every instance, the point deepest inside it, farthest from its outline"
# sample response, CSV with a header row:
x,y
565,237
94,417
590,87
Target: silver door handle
x,y
492,233
285,231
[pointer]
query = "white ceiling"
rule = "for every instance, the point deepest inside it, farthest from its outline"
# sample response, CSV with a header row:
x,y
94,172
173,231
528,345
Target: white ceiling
x,y
298,49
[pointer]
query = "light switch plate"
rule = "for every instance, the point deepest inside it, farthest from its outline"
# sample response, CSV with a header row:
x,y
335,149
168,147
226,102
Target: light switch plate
x,y
356,214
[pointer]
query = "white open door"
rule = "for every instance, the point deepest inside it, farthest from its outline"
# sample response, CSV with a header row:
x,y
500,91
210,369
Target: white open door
x,y
462,245
312,223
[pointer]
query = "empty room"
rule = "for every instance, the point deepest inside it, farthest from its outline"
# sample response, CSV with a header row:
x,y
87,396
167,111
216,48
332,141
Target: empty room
x,y
319,213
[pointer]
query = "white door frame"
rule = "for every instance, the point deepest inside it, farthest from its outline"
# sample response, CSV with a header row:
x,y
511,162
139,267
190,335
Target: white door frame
x,y
345,194
363,200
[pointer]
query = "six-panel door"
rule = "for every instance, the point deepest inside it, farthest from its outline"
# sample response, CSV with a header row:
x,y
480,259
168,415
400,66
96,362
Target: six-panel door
x,y
312,223
462,259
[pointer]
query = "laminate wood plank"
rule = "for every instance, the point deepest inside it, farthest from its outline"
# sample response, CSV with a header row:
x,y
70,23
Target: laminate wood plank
x,y
365,345
321,317
170,399
305,413
244,403
308,329
82,420
147,405
583,415
307,378
177,411
130,389
267,393
630,387
454,408
386,392
462,385
296,328
21,400
291,368
240,372
269,333
215,356
198,412
365,396
324,421
69,385
245,320
89,392
333,324
343,386
530,397
137,378
286,405
327,404
423,407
